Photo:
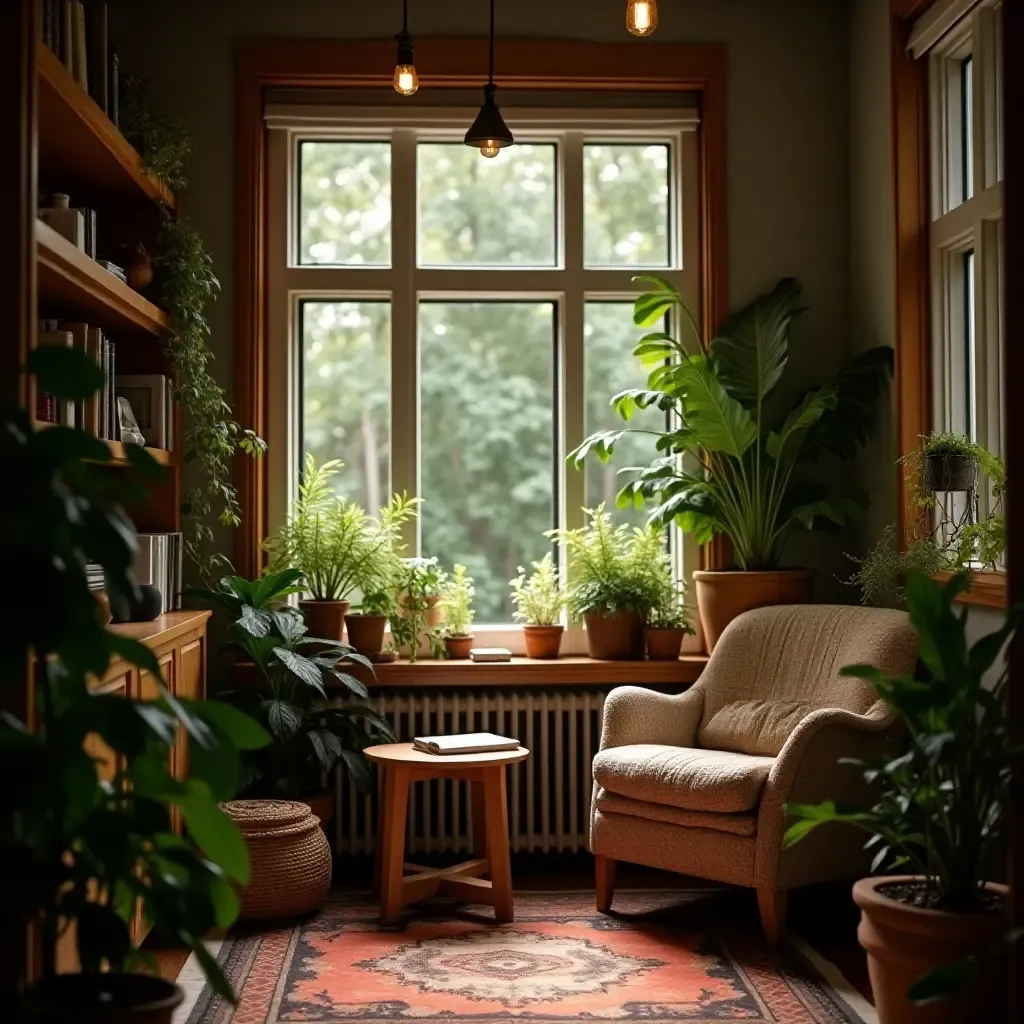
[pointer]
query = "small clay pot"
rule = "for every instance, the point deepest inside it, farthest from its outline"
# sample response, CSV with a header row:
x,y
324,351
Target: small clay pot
x,y
325,619
950,473
140,271
904,943
722,595
458,647
433,616
543,642
366,632
663,644
110,998
616,637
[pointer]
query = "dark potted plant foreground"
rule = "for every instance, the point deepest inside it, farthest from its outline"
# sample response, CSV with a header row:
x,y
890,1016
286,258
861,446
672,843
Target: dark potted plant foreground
x,y
941,811
110,998
748,484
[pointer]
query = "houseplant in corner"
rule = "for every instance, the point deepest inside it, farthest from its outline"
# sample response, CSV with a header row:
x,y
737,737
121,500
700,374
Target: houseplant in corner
x,y
732,465
91,843
940,811
667,623
539,601
457,605
614,581
338,548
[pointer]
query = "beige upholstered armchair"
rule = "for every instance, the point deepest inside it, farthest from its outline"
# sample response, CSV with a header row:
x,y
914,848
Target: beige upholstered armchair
x,y
697,783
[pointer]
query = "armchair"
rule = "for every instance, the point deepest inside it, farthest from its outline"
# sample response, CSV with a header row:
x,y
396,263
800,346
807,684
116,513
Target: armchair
x,y
697,783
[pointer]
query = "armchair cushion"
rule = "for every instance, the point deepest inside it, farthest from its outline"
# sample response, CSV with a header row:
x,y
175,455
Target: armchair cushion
x,y
754,726
737,824
719,781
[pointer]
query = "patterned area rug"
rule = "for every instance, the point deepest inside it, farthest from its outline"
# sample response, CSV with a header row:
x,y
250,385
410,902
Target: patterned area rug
x,y
662,957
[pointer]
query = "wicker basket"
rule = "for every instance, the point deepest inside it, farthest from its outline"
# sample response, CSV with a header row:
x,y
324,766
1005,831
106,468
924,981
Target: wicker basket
x,y
290,861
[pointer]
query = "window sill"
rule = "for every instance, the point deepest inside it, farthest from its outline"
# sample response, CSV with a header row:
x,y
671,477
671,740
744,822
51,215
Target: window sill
x,y
566,671
987,589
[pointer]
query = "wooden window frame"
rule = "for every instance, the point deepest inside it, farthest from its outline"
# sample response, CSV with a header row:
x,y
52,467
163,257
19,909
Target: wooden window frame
x,y
531,65
912,194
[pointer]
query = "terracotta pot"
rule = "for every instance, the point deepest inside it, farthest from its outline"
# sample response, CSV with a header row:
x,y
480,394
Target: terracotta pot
x,y
325,619
366,632
721,596
103,612
904,942
322,805
458,647
433,616
663,644
543,642
618,637
141,271
103,999
950,472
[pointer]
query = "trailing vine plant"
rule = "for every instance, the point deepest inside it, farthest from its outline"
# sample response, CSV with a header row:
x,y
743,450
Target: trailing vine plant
x,y
187,283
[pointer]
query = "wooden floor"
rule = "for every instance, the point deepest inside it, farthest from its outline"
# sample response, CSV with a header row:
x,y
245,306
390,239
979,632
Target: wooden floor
x,y
824,916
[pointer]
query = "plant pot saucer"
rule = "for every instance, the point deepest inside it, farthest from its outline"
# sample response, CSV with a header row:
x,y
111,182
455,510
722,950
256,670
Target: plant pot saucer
x,y
383,657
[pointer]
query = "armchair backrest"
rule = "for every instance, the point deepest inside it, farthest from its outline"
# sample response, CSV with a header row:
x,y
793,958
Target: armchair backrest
x,y
773,666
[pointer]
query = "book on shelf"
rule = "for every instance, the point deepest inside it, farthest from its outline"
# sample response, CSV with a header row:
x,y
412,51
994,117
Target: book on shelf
x,y
158,563
467,743
113,90
51,410
149,395
96,46
79,56
66,17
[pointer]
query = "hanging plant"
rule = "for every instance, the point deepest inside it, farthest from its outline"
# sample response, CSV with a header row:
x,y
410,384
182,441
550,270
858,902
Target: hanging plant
x,y
211,436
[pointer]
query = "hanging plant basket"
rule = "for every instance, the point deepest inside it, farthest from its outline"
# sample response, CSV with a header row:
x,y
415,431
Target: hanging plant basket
x,y
950,472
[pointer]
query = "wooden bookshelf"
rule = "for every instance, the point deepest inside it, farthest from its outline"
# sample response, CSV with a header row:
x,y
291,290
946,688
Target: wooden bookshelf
x,y
80,147
118,455
80,289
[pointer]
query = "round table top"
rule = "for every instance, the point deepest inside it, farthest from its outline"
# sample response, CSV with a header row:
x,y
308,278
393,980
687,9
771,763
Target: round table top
x,y
405,753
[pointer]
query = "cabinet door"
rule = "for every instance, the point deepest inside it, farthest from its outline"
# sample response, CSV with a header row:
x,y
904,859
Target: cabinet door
x,y
191,686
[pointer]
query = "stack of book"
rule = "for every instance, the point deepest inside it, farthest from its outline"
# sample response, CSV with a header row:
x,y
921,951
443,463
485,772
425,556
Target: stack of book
x,y
158,563
94,576
76,31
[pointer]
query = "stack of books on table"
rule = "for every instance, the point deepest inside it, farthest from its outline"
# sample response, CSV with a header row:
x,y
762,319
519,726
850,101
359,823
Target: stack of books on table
x,y
467,743
158,563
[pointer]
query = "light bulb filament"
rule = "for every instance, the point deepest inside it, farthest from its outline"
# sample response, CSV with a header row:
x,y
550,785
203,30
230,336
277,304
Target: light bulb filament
x,y
642,17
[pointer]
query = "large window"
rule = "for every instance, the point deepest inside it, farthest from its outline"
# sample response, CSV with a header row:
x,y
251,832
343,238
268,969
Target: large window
x,y
451,326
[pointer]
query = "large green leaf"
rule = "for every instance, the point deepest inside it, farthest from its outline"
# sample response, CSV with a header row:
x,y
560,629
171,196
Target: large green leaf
x,y
718,421
66,373
751,348
785,444
214,832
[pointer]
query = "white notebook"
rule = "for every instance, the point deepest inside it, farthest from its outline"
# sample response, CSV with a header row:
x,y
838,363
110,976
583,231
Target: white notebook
x,y
467,743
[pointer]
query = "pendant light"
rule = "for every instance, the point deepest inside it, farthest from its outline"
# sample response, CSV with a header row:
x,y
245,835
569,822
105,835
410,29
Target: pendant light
x,y
406,79
489,133
642,16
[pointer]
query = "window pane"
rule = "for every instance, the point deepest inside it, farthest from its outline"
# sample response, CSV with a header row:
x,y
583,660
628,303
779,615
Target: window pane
x,y
345,203
487,440
609,338
970,358
486,213
626,205
967,126
346,379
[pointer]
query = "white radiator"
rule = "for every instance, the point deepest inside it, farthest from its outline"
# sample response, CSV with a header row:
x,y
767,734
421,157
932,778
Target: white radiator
x,y
548,793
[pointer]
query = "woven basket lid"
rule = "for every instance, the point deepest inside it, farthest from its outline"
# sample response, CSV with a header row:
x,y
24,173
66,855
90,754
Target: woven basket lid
x,y
267,815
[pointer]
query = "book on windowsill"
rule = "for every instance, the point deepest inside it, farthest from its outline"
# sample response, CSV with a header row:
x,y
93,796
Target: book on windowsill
x,y
467,743
490,654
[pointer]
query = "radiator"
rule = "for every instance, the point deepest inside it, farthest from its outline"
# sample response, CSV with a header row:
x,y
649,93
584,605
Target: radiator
x,y
548,793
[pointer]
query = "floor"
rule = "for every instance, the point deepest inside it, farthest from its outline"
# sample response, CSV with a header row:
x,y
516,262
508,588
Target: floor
x,y
824,916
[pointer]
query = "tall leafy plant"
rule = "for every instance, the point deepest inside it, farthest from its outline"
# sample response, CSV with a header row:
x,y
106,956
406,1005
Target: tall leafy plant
x,y
731,464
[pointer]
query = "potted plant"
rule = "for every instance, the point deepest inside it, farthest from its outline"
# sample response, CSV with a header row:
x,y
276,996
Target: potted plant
x,y
950,462
613,582
940,812
457,606
309,735
418,621
89,853
747,485
539,601
338,547
366,627
667,622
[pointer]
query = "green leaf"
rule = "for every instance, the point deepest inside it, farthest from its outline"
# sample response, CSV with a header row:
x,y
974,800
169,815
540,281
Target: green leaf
x,y
718,421
837,510
283,718
751,348
144,463
65,373
254,621
226,904
214,832
240,729
214,974
301,667
66,444
134,652
784,446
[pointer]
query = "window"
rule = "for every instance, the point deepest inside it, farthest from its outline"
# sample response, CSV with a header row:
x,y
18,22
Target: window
x,y
966,227
452,327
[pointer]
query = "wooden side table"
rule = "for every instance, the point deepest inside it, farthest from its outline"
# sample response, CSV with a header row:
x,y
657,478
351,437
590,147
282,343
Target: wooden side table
x,y
402,883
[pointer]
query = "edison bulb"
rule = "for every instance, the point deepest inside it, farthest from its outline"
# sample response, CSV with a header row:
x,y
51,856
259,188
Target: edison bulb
x,y
642,17
406,79
490,149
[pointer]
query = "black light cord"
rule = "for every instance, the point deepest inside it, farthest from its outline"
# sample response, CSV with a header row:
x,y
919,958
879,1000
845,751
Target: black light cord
x,y
405,17
490,73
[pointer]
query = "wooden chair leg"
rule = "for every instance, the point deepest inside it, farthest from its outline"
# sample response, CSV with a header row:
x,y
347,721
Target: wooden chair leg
x,y
396,795
604,873
772,905
496,814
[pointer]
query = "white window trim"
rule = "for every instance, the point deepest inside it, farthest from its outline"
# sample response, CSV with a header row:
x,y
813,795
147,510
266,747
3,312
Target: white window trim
x,y
569,283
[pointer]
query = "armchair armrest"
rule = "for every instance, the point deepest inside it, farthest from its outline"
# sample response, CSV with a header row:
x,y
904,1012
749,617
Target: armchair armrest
x,y
807,771
633,714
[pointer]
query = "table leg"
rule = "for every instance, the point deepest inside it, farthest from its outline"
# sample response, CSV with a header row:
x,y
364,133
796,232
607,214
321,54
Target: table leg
x,y
496,805
396,797
479,815
382,817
